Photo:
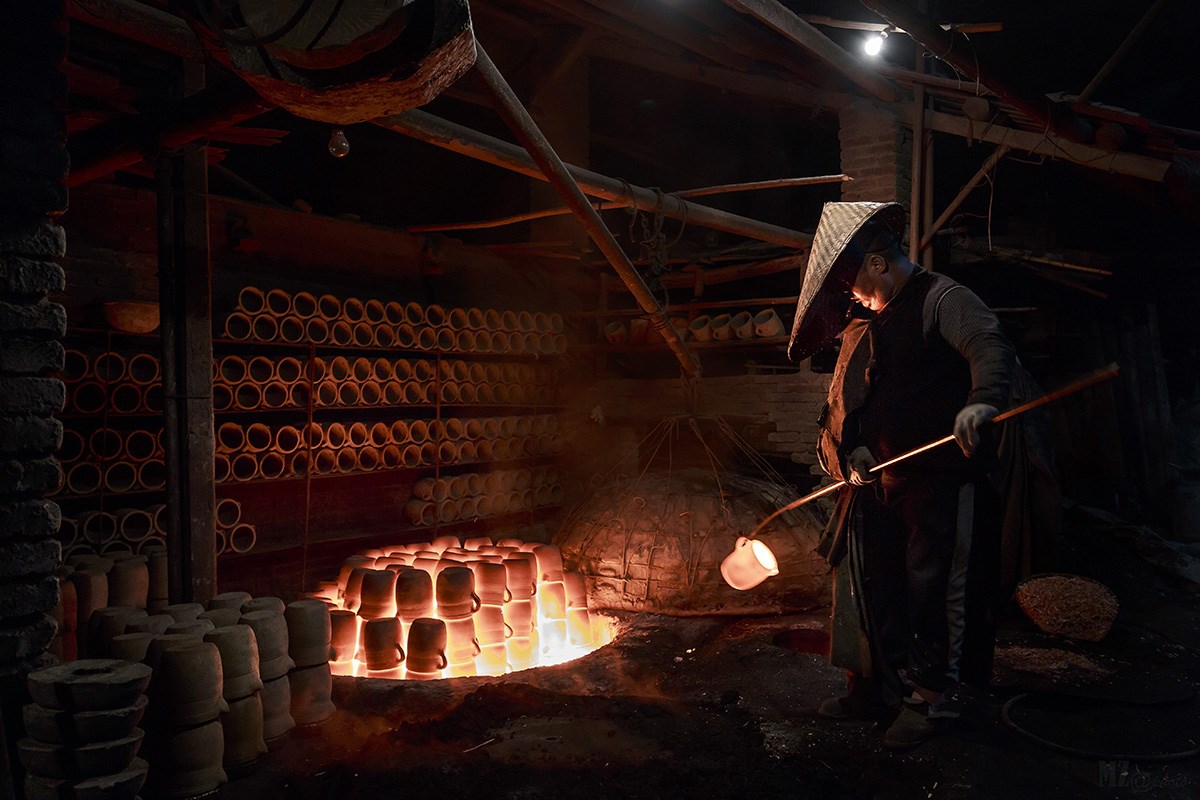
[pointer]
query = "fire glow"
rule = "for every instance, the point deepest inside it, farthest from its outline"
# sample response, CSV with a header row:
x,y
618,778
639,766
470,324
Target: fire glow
x,y
448,608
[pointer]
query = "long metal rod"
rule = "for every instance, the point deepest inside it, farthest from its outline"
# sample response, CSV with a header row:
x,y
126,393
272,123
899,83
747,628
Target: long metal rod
x,y
1100,376
727,188
459,139
527,132
992,160
1119,53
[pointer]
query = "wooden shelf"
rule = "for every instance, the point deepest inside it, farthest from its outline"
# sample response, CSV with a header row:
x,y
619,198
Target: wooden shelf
x,y
530,407
772,343
410,351
511,463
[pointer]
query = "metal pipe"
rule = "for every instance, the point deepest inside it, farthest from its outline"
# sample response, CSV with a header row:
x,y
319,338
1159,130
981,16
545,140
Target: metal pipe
x,y
527,132
459,139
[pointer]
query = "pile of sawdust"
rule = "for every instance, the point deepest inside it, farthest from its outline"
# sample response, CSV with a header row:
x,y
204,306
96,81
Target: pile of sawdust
x,y
1056,664
1068,605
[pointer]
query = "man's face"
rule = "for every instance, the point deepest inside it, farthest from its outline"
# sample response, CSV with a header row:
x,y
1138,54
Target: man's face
x,y
868,289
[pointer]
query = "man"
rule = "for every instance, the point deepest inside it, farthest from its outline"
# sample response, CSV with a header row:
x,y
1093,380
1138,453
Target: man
x,y
914,546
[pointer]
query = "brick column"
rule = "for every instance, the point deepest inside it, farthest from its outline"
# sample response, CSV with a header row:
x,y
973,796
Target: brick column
x,y
876,152
33,166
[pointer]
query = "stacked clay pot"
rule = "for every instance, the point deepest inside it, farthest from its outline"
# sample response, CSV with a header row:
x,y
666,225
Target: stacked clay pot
x,y
265,616
83,735
491,584
242,724
65,645
188,746
457,603
311,682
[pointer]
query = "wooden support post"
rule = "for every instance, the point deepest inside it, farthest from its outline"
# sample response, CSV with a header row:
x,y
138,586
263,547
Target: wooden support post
x,y
992,160
185,303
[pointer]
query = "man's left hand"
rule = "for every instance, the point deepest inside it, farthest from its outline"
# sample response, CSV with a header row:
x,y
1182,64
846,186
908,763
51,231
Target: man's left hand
x,y
969,421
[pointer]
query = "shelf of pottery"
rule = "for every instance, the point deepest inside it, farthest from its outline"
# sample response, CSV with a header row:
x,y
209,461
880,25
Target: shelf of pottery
x,y
112,455
743,327
353,386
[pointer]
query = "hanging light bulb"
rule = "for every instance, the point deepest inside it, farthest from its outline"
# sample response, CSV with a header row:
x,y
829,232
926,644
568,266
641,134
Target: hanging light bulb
x,y
873,45
339,145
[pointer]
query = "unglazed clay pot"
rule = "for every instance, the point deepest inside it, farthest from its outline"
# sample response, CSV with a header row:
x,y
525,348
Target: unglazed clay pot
x,y
153,624
312,690
343,639
490,627
222,617
186,689
309,632
519,577
239,660
122,785
348,566
183,612
157,564
461,645
277,709
89,685
91,593
197,627
187,762
164,642
234,600
105,624
270,630
130,646
377,594
491,583
273,604
352,595
129,582
242,726
62,761
381,644
414,595
426,649
520,617
55,726
456,596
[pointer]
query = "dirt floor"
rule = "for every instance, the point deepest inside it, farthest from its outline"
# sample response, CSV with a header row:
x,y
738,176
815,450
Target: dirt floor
x,y
721,707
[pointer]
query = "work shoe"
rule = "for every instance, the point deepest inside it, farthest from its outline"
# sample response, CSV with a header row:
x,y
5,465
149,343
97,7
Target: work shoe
x,y
850,707
911,728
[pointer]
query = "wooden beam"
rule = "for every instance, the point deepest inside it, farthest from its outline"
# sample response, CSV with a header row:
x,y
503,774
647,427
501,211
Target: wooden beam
x,y
1137,166
1123,48
852,25
957,51
567,56
617,27
758,86
786,23
966,190
456,138
141,23
675,28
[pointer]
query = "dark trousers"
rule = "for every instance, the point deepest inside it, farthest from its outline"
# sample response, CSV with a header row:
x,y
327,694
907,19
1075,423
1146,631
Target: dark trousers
x,y
927,561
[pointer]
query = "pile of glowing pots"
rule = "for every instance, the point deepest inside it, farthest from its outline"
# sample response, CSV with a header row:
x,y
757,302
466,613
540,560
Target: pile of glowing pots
x,y
451,608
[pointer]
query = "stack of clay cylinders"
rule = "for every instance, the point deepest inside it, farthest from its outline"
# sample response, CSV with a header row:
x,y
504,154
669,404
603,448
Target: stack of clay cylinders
x,y
490,628
309,640
457,603
352,594
156,564
382,649
265,617
579,620
242,724
64,646
187,747
343,639
82,731
105,624
426,657
129,582
377,594
90,579
348,566
414,596
520,614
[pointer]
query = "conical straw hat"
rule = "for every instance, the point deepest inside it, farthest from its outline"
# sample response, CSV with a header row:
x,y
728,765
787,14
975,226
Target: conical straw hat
x,y
824,295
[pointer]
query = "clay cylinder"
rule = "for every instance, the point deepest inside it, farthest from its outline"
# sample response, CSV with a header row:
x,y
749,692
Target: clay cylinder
x,y
329,307
220,617
455,593
242,728
490,627
414,595
312,690
343,634
187,762
230,600
155,624
461,645
265,603
309,632
197,628
129,583
377,598
491,583
130,646
238,649
520,578
183,612
104,624
277,709
186,687
381,644
426,656
270,632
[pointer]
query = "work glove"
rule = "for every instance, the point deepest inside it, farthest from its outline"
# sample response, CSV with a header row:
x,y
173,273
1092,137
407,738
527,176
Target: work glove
x,y
858,466
968,424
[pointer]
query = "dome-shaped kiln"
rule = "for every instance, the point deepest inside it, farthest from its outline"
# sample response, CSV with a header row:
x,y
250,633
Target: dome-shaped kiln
x,y
655,543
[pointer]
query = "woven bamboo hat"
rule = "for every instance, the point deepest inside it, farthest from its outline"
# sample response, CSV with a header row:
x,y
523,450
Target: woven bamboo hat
x,y
825,294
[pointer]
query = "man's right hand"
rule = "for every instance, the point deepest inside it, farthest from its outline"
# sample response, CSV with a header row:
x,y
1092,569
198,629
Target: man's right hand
x,y
859,464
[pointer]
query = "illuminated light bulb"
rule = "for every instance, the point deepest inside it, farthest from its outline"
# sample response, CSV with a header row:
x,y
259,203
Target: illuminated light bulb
x,y
872,45
339,145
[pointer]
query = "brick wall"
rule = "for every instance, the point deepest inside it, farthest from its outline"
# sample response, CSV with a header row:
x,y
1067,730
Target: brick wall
x,y
876,152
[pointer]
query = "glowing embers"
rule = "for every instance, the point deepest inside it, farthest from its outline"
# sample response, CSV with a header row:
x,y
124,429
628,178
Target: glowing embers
x,y
447,609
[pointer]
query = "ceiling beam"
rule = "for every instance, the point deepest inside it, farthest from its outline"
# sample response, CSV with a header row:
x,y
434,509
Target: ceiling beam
x,y
141,23
1132,164
456,138
957,51
787,24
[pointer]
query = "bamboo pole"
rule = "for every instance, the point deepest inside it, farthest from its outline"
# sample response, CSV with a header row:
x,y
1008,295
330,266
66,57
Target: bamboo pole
x,y
526,130
1100,376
